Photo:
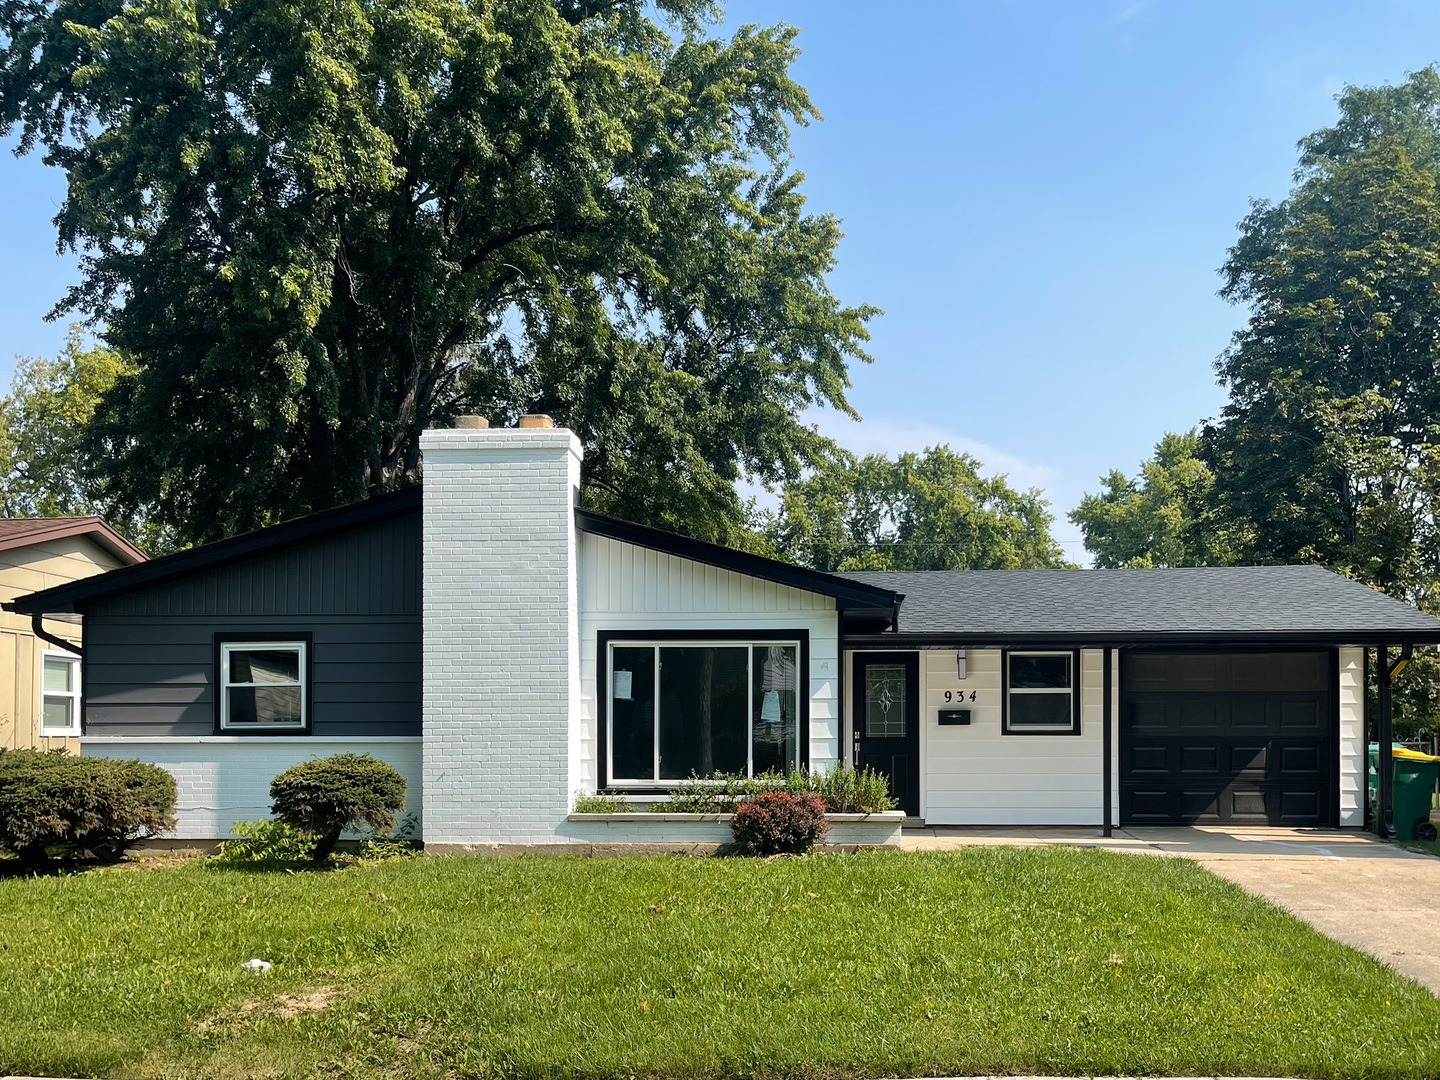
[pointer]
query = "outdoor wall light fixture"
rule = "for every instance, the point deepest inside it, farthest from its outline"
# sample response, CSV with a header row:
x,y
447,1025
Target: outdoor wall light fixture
x,y
959,657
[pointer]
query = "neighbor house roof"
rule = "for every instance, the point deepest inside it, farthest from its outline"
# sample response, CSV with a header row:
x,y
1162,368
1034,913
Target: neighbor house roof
x,y
1293,603
75,596
22,532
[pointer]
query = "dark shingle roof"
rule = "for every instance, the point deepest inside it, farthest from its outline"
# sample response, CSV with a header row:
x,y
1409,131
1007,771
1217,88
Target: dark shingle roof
x,y
1300,602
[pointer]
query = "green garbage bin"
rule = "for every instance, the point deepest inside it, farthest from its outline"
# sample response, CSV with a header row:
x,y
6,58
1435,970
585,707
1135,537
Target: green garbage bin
x,y
1415,774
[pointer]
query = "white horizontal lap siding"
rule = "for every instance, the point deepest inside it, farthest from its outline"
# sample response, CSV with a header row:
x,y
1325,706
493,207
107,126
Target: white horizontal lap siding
x,y
625,587
1353,765
974,775
224,779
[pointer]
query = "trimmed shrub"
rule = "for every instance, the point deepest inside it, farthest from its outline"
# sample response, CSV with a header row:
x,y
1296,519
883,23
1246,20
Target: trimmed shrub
x,y
133,801
326,796
51,799
778,823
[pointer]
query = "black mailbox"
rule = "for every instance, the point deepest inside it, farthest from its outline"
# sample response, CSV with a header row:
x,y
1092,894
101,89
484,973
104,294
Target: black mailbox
x,y
951,717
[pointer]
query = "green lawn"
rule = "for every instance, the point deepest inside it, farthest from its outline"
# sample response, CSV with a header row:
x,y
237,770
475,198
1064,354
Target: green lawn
x,y
991,960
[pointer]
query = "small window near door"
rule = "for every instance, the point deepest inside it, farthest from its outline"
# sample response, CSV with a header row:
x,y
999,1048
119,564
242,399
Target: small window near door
x,y
1040,697
262,685
59,694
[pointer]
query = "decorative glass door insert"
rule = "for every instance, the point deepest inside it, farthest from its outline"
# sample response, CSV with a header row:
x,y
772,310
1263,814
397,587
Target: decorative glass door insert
x,y
885,701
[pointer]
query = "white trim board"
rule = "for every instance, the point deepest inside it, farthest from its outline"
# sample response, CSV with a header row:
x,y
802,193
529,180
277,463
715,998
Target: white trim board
x,y
289,740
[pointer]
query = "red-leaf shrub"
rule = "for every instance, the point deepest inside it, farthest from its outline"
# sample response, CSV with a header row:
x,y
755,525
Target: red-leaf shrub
x,y
778,823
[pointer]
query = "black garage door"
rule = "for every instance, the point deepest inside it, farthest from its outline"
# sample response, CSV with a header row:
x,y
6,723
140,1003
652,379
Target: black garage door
x,y
1221,738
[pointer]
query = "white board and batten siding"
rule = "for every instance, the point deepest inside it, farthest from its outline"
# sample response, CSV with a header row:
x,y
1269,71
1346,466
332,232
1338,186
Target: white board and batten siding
x,y
974,775
626,587
1353,764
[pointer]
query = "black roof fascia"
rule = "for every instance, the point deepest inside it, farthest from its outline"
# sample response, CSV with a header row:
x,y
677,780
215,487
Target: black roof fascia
x,y
74,596
849,595
1121,639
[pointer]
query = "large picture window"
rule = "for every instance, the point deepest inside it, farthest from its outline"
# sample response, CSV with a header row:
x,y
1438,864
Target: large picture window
x,y
262,685
696,708
1040,693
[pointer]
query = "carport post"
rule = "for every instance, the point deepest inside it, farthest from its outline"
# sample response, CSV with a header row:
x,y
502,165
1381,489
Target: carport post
x,y
1385,758
1106,748
1384,766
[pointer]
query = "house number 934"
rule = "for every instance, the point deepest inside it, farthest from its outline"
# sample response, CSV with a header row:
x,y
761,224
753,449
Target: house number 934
x,y
958,695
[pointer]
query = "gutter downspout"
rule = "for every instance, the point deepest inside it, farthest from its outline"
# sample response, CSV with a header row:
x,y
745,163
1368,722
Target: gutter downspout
x,y
37,625
1107,747
844,753
1367,730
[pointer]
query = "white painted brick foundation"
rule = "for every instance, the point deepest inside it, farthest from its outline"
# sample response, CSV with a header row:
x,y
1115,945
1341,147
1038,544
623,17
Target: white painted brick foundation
x,y
501,641
224,779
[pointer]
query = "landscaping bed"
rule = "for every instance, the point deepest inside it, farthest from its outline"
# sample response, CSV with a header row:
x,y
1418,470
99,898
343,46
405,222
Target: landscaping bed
x,y
990,960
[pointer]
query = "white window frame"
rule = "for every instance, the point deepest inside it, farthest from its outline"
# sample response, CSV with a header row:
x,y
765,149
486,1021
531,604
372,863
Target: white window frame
x,y
1071,693
655,782
73,694
224,683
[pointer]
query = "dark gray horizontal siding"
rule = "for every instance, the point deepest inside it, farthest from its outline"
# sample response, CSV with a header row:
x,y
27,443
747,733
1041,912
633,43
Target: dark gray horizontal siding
x,y
371,570
165,686
149,655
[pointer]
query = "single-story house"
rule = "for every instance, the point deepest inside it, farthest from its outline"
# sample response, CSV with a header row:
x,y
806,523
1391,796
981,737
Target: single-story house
x,y
507,650
39,669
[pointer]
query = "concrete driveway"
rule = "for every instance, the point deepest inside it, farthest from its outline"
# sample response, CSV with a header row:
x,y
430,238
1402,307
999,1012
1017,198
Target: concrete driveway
x,y
1347,885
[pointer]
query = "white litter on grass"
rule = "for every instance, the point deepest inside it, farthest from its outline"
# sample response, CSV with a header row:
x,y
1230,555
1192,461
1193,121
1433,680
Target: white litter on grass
x,y
260,967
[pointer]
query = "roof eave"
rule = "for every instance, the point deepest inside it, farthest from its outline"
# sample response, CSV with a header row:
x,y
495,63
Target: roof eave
x,y
1100,639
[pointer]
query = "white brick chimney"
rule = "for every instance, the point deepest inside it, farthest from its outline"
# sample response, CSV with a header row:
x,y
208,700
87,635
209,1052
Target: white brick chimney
x,y
502,643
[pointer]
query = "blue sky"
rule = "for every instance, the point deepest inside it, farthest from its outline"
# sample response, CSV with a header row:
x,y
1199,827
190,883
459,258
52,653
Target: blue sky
x,y
1037,193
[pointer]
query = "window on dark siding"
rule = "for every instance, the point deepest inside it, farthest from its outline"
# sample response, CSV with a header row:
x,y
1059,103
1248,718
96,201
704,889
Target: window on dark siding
x,y
262,685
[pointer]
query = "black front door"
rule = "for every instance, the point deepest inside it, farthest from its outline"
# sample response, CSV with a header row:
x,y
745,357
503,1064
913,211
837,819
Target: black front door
x,y
887,722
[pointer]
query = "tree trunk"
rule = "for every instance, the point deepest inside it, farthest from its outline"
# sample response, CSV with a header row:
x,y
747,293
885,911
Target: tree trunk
x,y
325,846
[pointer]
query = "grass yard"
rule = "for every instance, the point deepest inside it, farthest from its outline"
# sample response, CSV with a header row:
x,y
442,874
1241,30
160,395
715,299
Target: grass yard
x,y
990,960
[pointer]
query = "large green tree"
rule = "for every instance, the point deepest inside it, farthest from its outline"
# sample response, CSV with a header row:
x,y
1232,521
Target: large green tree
x,y
1164,516
320,226
1327,447
930,511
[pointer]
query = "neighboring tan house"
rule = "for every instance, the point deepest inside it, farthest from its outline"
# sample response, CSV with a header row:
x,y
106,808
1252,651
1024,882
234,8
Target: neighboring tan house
x,y
40,680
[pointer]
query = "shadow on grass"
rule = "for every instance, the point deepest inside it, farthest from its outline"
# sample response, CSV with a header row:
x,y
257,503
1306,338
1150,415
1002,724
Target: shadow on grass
x,y
63,865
